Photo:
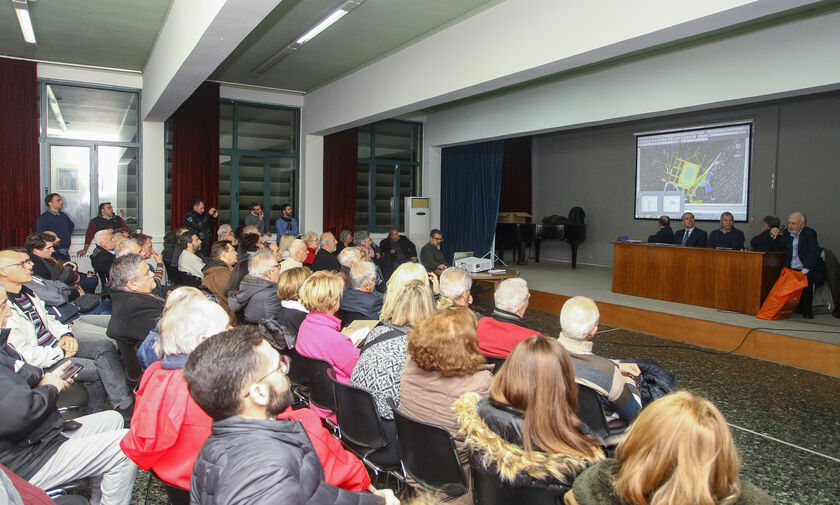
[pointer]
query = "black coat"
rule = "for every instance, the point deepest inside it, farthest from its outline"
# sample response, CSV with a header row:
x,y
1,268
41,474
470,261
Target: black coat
x,y
201,225
258,297
264,462
698,238
764,242
102,261
663,236
326,261
809,252
133,315
369,304
30,426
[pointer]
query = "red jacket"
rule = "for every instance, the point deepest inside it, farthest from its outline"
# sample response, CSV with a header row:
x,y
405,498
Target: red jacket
x,y
168,428
497,338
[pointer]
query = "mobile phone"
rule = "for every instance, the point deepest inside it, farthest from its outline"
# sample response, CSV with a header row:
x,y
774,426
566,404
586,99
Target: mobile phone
x,y
71,371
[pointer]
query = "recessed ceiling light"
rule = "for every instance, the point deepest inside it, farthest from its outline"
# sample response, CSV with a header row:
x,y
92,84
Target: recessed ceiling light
x,y
22,11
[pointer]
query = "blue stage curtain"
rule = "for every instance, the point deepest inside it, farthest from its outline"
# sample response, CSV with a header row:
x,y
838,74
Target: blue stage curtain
x,y
471,178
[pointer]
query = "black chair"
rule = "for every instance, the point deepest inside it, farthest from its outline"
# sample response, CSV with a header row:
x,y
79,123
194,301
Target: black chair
x,y
297,376
490,490
189,280
176,495
591,413
428,456
496,362
320,388
348,316
360,428
72,401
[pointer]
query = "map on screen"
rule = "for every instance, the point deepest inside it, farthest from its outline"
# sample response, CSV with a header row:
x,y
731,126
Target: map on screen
x,y
703,170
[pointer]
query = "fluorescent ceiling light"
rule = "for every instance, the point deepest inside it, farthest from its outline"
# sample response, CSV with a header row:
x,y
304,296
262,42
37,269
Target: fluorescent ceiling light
x,y
308,35
22,11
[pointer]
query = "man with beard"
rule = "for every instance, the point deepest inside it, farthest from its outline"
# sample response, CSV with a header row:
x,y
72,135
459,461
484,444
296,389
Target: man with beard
x,y
240,381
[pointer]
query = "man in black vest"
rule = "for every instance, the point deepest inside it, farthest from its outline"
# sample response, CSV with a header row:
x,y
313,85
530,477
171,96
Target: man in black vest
x,y
201,224
105,219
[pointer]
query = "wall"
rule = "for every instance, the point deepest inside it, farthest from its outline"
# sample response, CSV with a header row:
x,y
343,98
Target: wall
x,y
595,168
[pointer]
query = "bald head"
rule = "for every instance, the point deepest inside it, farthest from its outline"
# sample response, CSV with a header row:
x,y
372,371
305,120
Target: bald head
x,y
15,270
297,249
579,318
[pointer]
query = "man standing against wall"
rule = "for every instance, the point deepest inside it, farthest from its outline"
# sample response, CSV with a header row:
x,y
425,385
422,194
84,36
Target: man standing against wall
x,y
55,220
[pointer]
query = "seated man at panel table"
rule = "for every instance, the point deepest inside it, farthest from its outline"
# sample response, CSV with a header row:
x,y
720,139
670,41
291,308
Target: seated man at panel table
x,y
579,323
665,235
727,237
802,253
499,333
360,296
430,255
766,241
690,235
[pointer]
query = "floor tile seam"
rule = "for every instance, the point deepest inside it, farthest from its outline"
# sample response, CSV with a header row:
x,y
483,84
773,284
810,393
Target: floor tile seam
x,y
774,439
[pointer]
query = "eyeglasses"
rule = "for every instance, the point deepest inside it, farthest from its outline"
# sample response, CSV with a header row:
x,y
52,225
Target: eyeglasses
x,y
283,367
22,263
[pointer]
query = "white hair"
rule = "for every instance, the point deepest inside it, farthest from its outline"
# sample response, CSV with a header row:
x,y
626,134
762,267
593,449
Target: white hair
x,y
362,272
322,243
261,262
184,325
101,234
225,228
511,294
126,246
454,281
296,248
800,216
578,317
250,229
349,256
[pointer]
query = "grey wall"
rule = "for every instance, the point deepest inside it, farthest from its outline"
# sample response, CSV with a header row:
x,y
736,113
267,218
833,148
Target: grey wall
x,y
797,141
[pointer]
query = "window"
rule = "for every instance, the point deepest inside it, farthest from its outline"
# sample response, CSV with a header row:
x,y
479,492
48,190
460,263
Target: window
x,y
389,170
258,160
91,150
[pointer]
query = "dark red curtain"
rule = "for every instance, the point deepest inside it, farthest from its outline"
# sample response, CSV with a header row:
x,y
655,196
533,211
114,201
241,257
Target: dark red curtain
x,y
19,153
341,153
516,176
195,151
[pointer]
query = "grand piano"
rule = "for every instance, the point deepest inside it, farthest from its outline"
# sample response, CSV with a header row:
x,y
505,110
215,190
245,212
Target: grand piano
x,y
517,236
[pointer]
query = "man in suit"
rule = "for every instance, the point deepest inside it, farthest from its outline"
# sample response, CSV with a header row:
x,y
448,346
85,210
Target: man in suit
x,y
802,253
360,296
727,237
690,236
765,241
665,235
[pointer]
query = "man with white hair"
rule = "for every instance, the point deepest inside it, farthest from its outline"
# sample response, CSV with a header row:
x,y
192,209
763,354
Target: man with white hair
x,y
802,253
258,290
102,256
579,322
499,333
348,257
225,232
326,258
455,284
360,296
168,428
125,247
297,253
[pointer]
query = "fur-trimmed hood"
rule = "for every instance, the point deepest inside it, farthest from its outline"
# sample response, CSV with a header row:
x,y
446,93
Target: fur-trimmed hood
x,y
493,454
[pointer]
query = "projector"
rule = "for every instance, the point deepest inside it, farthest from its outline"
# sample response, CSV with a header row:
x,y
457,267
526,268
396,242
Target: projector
x,y
474,265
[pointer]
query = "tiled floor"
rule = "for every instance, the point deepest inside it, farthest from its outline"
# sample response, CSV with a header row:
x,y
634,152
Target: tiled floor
x,y
800,409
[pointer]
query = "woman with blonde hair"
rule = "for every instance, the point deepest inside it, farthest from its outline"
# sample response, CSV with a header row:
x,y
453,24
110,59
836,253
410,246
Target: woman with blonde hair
x,y
527,431
383,354
283,244
319,336
410,272
288,290
679,450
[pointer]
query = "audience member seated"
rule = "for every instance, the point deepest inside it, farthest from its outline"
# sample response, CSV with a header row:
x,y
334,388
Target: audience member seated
x,y
802,253
764,241
690,235
345,239
665,235
297,254
226,233
147,252
443,364
360,296
40,252
527,431
318,336
679,450
240,381
257,292
383,353
171,247
188,261
250,243
579,324
217,273
283,243
727,237
240,270
146,353
134,309
127,246
45,342
499,334
310,239
288,291
37,444
408,272
361,239
168,428
66,271
396,250
348,257
430,255
326,258
102,256
455,285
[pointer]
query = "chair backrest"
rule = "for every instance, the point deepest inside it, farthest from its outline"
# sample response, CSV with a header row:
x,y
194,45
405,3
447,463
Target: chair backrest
x,y
348,316
297,368
591,411
428,455
496,362
320,387
356,414
489,490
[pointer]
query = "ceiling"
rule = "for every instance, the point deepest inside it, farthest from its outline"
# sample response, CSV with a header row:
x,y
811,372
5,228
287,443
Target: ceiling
x,y
103,33
121,34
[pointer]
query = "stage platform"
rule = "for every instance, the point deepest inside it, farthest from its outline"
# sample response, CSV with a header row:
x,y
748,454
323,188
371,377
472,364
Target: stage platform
x,y
809,344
